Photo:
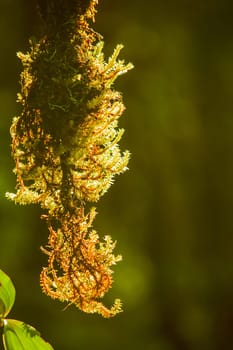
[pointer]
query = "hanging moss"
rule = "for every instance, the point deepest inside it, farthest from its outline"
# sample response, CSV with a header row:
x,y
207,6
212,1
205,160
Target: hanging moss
x,y
66,151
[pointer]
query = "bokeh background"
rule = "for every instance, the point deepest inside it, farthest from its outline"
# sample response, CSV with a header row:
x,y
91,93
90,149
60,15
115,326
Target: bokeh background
x,y
172,212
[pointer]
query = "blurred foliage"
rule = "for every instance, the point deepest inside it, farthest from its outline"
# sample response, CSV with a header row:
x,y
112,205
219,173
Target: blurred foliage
x,y
172,212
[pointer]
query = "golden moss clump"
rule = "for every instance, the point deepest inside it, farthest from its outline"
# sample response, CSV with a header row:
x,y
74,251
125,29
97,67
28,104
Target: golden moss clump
x,y
66,151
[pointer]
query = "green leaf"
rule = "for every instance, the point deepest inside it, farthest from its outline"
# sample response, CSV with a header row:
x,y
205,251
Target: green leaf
x,y
18,335
7,294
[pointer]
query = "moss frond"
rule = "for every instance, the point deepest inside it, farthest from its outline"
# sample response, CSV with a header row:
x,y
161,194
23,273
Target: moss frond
x,y
66,151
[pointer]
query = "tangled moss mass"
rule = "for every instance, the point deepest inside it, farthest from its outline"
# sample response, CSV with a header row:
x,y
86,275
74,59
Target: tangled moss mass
x,y
66,152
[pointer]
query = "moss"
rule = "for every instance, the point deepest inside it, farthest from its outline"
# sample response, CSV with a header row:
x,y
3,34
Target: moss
x,y
66,151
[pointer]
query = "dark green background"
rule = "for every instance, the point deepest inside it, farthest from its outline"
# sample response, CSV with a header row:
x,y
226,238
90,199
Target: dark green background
x,y
172,212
